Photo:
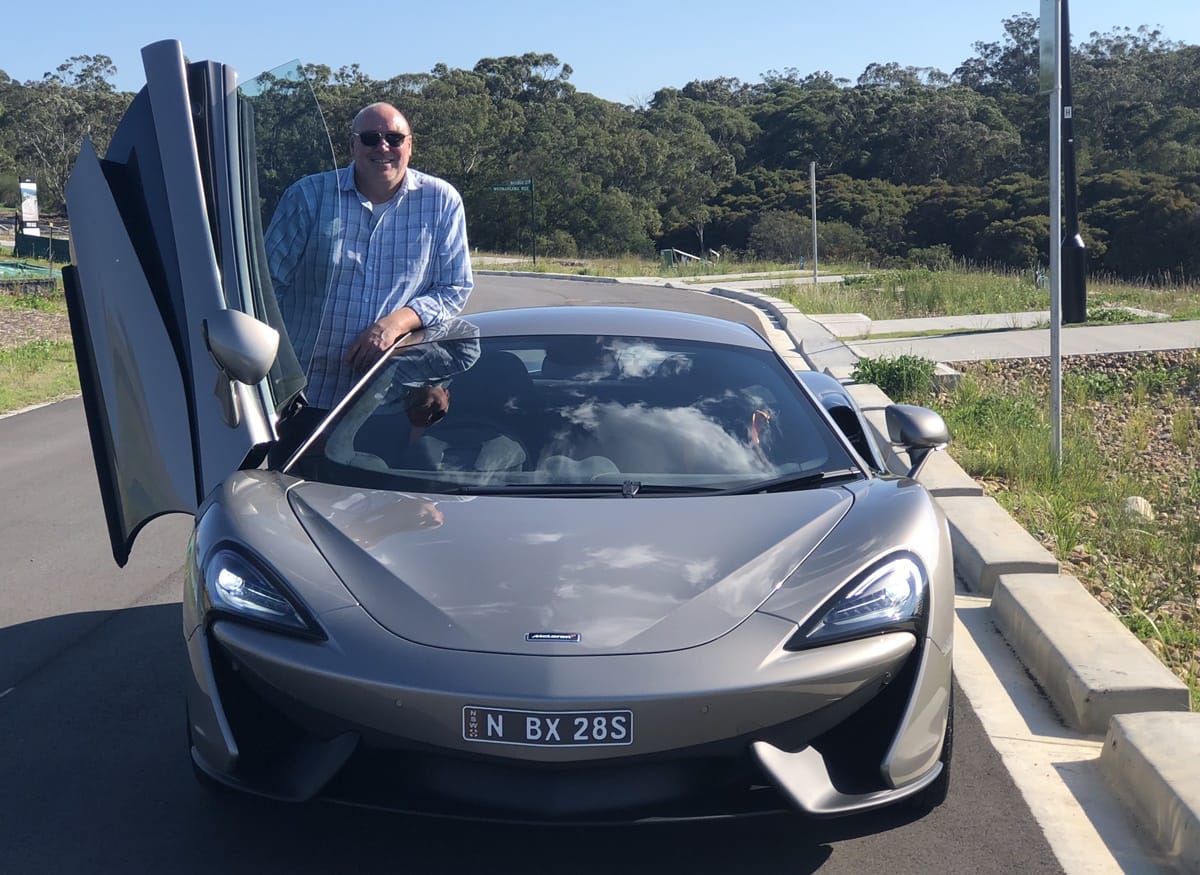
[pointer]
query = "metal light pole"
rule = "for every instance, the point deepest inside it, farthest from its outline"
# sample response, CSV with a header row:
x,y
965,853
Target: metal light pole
x,y
1051,57
812,183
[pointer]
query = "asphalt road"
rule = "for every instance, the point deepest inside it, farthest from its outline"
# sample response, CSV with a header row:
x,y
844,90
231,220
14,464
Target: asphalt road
x,y
94,774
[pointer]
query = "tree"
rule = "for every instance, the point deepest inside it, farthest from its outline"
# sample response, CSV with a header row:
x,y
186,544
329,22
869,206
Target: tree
x,y
894,75
48,120
530,78
1016,242
780,235
1009,66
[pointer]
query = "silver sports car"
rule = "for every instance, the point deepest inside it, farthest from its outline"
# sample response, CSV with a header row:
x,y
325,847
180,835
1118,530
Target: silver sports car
x,y
564,563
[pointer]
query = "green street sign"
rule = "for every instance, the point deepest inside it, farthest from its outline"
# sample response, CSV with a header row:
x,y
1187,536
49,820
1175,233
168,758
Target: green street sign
x,y
511,187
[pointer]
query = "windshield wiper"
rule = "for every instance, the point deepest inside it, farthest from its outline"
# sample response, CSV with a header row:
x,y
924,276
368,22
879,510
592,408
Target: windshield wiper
x,y
797,481
537,489
629,489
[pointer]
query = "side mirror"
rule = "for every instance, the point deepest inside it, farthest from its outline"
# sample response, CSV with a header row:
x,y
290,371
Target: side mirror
x,y
918,430
244,350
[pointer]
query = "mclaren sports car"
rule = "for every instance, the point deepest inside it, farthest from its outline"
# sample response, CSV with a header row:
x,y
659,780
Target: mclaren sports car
x,y
556,564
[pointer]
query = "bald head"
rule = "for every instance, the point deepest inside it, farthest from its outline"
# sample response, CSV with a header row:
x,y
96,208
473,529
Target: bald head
x,y
379,168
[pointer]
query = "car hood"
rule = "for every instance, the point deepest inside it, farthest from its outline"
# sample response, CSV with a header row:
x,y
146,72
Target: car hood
x,y
565,576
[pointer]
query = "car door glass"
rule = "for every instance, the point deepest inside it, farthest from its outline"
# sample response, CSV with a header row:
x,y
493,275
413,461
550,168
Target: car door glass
x,y
283,140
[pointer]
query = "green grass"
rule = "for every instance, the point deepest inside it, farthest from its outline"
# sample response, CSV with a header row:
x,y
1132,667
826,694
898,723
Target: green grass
x,y
908,294
1179,299
36,372
634,266
44,304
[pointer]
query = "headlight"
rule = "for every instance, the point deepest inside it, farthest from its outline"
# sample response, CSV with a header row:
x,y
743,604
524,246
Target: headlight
x,y
891,595
235,584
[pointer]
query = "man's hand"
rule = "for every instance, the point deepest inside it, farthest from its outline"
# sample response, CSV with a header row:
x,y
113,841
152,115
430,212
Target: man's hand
x,y
378,337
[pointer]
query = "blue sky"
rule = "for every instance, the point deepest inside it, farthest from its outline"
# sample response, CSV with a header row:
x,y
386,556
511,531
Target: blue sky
x,y
619,50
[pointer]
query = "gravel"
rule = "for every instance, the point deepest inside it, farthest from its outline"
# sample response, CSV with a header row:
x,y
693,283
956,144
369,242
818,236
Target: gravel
x,y
20,325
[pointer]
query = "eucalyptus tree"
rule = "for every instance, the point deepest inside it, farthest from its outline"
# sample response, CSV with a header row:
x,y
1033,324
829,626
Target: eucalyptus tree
x,y
47,120
923,133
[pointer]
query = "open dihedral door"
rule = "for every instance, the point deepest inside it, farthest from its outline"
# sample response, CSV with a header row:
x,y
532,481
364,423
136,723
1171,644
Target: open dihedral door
x,y
161,246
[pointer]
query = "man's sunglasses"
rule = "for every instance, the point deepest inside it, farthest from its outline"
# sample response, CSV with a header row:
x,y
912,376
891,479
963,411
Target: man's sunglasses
x,y
429,411
371,139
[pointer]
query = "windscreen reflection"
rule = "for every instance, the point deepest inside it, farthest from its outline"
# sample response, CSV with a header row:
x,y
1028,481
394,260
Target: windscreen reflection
x,y
574,411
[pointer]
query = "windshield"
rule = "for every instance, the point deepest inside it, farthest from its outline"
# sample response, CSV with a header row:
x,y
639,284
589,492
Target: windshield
x,y
535,414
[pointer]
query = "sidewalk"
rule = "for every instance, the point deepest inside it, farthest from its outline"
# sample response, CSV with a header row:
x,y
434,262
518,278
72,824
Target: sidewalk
x,y
1004,336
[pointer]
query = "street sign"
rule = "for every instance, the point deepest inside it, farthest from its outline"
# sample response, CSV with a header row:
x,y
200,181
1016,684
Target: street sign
x,y
1047,61
525,185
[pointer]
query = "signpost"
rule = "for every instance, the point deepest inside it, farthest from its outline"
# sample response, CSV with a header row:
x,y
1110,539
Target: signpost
x,y
812,183
1051,73
1074,295
525,185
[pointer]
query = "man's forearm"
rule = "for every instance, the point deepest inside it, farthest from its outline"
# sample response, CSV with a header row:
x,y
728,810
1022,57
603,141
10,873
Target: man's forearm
x,y
378,337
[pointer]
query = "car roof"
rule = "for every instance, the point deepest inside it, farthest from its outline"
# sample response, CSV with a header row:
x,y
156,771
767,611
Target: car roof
x,y
620,321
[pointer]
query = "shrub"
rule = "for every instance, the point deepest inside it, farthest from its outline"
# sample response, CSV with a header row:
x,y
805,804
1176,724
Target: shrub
x,y
558,244
904,378
937,257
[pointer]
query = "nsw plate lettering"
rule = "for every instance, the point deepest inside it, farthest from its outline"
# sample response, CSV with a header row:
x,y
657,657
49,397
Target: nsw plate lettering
x,y
547,728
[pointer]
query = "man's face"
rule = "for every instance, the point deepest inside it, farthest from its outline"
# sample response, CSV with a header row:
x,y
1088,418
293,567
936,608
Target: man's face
x,y
427,405
381,165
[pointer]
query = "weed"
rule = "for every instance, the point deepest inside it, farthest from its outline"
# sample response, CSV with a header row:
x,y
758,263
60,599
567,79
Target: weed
x,y
905,378
1138,428
1092,386
46,304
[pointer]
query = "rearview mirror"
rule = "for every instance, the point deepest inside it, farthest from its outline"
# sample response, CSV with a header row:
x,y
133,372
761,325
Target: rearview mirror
x,y
244,350
918,430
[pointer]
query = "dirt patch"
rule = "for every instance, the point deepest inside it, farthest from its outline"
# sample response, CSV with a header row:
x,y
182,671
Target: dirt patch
x,y
21,325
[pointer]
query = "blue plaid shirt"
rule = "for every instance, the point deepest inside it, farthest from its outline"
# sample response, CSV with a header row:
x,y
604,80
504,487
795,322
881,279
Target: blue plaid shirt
x,y
339,263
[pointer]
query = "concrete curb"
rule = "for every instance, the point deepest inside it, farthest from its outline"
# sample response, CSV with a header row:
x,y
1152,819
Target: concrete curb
x,y
532,274
988,543
1090,665
1150,761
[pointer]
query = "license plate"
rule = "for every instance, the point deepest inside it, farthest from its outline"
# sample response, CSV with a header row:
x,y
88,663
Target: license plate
x,y
547,728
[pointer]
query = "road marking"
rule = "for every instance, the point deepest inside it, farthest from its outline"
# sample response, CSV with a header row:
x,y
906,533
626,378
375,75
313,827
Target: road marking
x,y
1055,768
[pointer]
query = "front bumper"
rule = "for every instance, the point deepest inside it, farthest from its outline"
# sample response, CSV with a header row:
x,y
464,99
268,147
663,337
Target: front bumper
x,y
734,726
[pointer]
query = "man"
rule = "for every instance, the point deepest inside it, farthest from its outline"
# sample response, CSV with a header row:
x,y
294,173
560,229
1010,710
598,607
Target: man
x,y
363,255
